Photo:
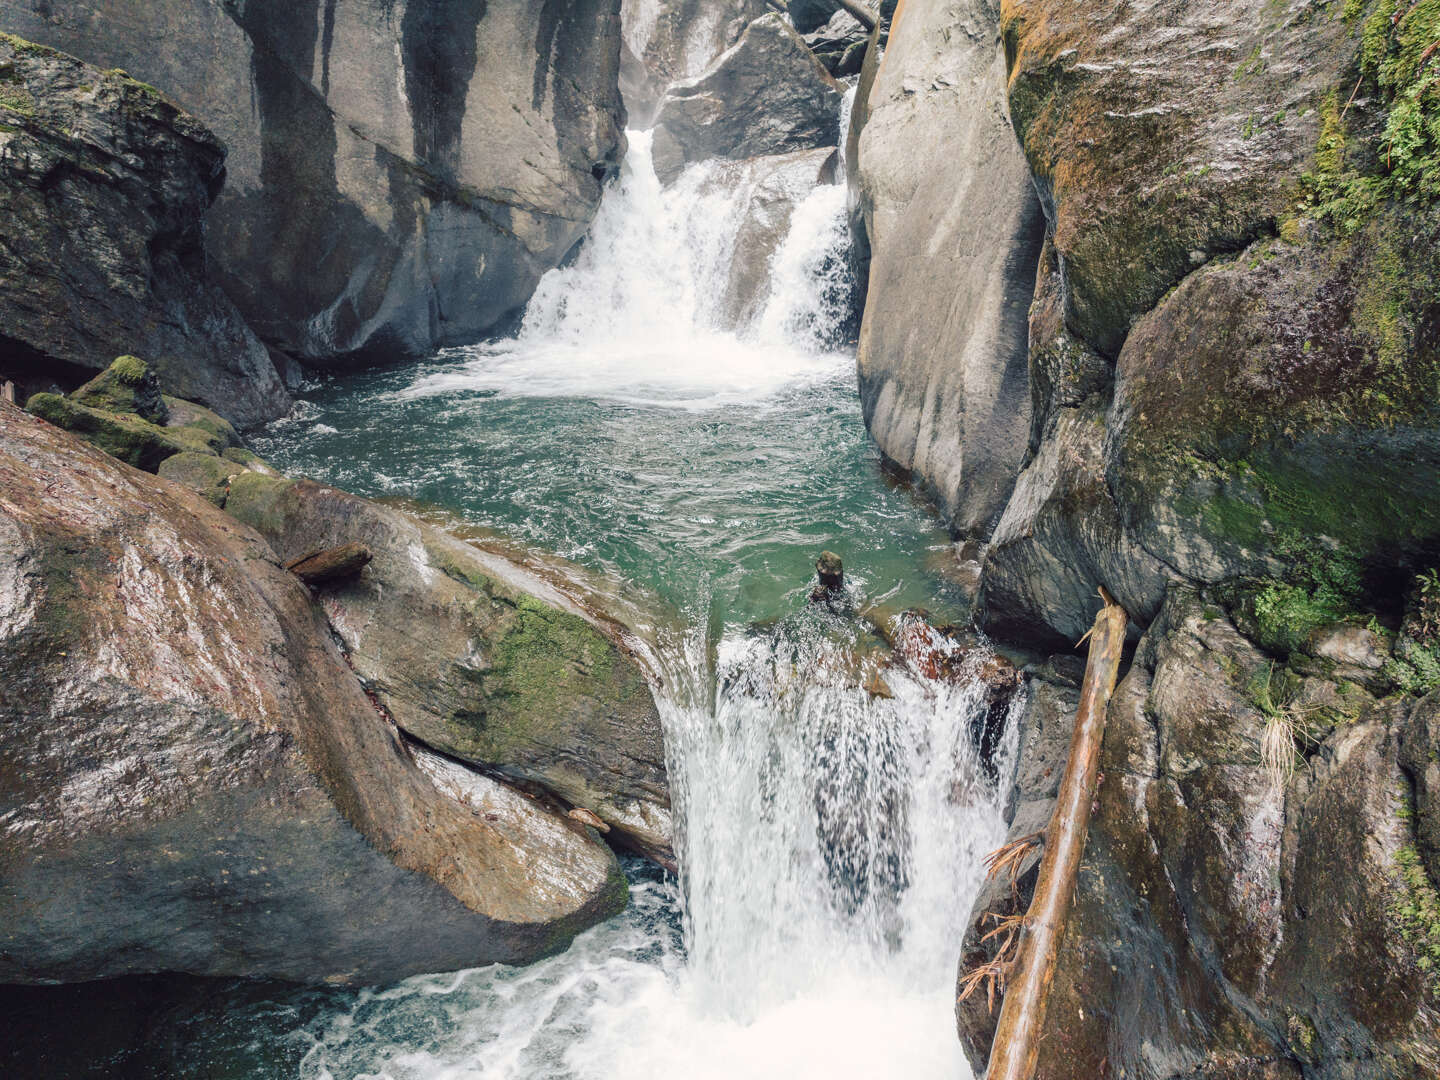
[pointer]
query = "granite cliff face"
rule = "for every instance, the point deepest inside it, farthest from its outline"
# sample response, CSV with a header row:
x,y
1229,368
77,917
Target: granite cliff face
x,y
400,173
104,189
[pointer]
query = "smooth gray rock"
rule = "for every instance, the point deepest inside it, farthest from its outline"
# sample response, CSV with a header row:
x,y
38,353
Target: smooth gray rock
x,y
955,229
767,94
670,40
192,778
401,172
104,190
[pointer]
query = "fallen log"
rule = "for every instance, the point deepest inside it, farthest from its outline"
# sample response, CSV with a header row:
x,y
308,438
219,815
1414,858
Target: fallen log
x,y
1026,979
332,564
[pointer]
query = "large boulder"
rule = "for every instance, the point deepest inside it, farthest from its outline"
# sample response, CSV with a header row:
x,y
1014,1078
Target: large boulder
x,y
193,779
670,40
479,659
1242,283
104,189
954,229
1231,921
401,172
767,94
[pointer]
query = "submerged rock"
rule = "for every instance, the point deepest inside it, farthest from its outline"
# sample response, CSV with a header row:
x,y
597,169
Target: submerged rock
x,y
193,779
767,94
104,191
401,172
477,659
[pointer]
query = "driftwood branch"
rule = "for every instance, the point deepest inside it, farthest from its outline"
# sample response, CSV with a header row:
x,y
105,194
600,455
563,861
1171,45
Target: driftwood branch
x,y
861,13
1028,977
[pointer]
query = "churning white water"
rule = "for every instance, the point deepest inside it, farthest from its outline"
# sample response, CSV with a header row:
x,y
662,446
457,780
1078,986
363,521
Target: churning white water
x,y
641,316
830,835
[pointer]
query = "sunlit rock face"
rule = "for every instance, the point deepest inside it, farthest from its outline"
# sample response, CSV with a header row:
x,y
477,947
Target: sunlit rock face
x,y
400,173
193,779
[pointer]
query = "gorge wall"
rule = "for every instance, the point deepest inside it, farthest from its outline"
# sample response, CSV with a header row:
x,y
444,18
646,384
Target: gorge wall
x,y
1225,413
400,174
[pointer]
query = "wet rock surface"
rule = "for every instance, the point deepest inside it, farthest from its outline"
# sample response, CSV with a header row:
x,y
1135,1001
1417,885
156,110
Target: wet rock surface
x,y
193,779
1229,921
400,173
671,40
767,94
479,660
105,186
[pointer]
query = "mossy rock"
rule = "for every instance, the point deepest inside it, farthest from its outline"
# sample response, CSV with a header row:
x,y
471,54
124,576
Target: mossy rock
x,y
128,385
137,442
204,474
259,501
251,460
201,428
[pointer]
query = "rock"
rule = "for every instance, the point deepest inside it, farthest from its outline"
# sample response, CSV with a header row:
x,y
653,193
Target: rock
x,y
589,818
476,658
195,781
128,385
670,40
767,94
954,230
830,570
400,173
331,565
809,15
1352,646
191,429
205,474
104,189
839,44
771,187
1212,933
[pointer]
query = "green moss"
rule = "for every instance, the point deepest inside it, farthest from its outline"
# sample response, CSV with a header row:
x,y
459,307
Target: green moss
x,y
204,474
1415,912
27,48
1320,586
130,370
17,100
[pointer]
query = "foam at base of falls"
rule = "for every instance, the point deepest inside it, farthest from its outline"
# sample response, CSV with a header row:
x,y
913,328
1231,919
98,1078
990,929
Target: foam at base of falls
x,y
638,318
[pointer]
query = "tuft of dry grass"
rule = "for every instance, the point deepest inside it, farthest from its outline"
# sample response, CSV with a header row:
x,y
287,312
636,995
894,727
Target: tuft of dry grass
x,y
1009,857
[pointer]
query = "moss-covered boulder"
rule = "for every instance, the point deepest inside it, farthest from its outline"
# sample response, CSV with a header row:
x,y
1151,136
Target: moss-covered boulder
x,y
476,657
190,428
128,385
1233,919
204,474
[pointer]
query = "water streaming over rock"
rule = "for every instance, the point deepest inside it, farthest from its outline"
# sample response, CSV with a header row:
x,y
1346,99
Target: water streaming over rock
x,y
832,807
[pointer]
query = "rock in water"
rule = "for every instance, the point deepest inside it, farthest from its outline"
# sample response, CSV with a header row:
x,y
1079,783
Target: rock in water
x,y
332,564
478,659
955,230
765,95
104,188
401,172
192,779
830,570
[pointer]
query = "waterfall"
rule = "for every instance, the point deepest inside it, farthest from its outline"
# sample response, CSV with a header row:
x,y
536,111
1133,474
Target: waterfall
x,y
831,808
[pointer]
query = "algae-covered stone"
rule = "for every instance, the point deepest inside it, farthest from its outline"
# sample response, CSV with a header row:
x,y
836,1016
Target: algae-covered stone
x,y
191,428
477,658
128,385
204,474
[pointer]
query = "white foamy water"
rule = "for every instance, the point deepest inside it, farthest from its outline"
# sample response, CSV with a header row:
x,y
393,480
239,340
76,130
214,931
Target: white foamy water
x,y
640,316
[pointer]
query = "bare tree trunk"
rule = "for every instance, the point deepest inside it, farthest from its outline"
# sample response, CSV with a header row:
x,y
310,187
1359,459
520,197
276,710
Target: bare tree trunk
x,y
1016,1045
861,12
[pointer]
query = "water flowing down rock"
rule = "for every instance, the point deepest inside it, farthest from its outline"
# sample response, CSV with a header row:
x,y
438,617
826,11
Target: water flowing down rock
x,y
954,230
765,95
400,173
194,779
104,192
479,660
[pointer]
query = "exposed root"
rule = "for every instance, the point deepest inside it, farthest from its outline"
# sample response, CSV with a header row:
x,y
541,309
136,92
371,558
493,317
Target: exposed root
x,y
1011,855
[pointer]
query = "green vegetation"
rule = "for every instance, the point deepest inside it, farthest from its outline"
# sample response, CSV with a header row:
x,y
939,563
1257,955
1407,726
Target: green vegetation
x,y
1400,66
1320,586
1416,911
129,369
